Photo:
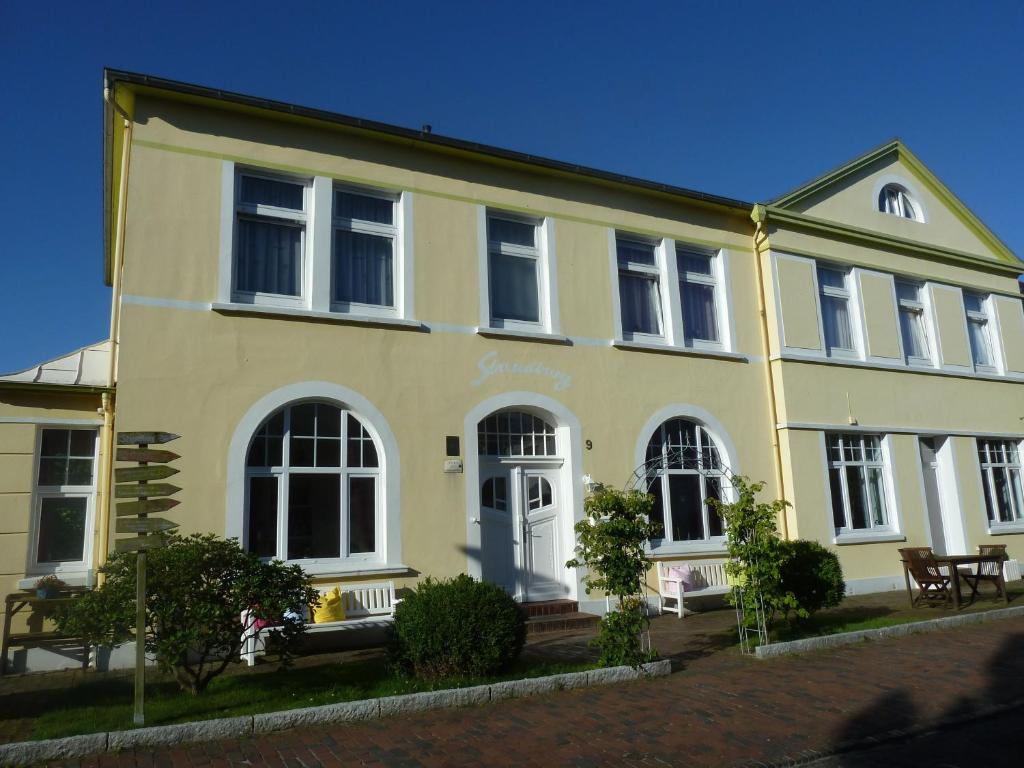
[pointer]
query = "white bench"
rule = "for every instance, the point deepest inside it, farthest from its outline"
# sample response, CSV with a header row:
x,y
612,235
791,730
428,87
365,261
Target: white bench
x,y
709,575
367,606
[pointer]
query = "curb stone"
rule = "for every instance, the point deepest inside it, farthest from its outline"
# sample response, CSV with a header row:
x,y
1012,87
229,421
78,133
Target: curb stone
x,y
898,630
29,752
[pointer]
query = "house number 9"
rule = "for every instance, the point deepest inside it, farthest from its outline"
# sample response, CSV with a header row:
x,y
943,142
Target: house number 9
x,y
590,445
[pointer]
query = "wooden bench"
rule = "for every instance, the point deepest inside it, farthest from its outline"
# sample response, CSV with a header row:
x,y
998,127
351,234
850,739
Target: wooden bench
x,y
709,575
367,606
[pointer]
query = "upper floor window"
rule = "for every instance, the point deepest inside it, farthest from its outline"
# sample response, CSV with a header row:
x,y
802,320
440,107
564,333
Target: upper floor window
x,y
698,289
270,229
639,287
896,200
684,470
856,472
913,325
363,264
313,476
1001,481
836,316
514,272
65,496
978,330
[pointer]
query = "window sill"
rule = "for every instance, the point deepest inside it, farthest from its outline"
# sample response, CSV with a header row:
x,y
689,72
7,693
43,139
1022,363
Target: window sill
x,y
71,578
704,548
1007,529
867,538
310,314
510,333
963,373
341,570
668,349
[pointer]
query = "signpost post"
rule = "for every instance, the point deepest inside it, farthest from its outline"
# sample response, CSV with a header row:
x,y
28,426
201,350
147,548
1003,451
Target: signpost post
x,y
133,517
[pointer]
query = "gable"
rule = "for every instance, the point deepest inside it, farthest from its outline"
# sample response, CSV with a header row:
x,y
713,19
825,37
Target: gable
x,y
850,196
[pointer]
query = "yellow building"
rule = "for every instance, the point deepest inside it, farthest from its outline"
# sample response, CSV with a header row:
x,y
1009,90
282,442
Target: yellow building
x,y
391,354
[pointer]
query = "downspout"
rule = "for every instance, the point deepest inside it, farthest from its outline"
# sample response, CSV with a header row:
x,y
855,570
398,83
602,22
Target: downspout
x,y
117,268
759,215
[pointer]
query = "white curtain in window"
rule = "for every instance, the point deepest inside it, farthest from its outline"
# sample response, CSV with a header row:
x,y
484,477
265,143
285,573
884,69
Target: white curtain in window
x,y
269,257
979,342
513,287
363,268
915,341
641,304
835,313
700,319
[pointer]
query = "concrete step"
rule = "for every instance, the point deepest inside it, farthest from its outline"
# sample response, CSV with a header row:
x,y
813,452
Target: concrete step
x,y
561,622
549,607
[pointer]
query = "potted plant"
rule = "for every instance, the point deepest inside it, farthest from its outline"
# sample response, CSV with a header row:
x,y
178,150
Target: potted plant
x,y
49,586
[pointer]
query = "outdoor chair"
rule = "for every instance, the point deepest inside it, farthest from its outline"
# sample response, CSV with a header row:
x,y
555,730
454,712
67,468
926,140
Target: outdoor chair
x,y
932,582
988,570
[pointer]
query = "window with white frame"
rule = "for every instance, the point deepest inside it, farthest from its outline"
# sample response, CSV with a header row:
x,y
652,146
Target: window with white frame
x,y
895,200
856,473
515,284
639,287
270,238
978,330
684,470
913,323
313,486
64,499
1001,482
364,247
514,434
836,310
699,295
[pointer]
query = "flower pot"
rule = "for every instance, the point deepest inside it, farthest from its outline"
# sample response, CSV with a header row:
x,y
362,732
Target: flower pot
x,y
47,593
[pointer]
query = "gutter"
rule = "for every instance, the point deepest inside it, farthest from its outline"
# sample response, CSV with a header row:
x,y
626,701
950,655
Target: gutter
x,y
759,215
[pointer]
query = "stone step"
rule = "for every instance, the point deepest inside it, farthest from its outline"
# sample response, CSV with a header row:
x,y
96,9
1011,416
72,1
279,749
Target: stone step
x,y
549,607
562,622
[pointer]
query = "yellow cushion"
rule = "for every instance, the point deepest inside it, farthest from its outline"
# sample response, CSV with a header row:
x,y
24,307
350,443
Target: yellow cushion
x,y
331,608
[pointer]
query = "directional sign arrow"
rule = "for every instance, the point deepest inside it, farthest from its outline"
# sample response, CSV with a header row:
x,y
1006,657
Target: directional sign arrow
x,y
129,474
149,507
144,525
140,491
153,541
145,438
152,455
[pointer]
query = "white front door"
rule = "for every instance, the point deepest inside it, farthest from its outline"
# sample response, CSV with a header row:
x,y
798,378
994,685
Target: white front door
x,y
520,546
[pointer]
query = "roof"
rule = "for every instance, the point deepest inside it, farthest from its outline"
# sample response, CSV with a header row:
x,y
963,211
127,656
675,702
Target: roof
x,y
189,91
87,367
895,147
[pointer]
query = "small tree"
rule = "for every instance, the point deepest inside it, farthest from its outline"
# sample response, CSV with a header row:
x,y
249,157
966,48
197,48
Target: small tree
x,y
812,575
611,541
197,588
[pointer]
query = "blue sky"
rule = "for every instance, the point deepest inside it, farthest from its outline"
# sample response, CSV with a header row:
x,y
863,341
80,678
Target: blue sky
x,y
741,99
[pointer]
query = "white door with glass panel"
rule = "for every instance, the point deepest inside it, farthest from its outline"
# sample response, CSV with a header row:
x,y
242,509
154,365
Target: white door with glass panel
x,y
519,537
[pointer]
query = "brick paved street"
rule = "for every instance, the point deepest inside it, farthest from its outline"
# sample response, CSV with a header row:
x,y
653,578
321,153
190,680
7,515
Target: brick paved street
x,y
719,709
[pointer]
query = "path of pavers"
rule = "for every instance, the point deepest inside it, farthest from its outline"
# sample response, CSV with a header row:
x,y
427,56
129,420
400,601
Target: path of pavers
x,y
719,709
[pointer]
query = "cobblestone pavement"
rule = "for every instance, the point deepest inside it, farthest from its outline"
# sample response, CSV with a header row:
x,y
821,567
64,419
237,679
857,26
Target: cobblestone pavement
x,y
719,709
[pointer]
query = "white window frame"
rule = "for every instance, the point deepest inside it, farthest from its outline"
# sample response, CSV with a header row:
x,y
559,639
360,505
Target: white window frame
x,y
895,200
546,270
848,294
921,311
984,319
890,526
345,473
988,467
77,571
287,216
717,281
664,274
392,231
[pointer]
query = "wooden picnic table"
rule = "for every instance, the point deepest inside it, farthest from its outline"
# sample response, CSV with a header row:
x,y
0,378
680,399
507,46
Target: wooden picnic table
x,y
17,601
952,563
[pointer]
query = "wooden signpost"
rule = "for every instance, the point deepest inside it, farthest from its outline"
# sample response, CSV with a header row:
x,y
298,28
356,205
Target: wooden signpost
x,y
134,517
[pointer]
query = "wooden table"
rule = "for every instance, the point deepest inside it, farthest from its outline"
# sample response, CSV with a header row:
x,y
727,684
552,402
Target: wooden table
x,y
17,601
952,563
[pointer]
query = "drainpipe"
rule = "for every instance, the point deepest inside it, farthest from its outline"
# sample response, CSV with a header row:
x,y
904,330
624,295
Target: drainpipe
x,y
759,215
117,268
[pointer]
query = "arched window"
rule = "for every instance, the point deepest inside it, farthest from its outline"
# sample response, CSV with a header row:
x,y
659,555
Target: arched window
x,y
896,200
313,486
684,470
516,434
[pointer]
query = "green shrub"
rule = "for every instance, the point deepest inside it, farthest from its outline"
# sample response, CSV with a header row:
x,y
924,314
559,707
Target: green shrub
x,y
620,637
196,589
457,626
812,576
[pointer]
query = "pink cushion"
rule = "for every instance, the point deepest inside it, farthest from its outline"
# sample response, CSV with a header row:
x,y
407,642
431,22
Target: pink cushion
x,y
684,574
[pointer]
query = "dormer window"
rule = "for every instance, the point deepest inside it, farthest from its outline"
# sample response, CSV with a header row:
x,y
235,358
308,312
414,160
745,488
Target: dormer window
x,y
896,200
